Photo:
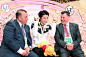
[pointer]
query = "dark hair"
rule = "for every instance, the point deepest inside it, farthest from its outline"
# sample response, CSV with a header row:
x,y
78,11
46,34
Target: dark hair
x,y
44,12
18,13
67,12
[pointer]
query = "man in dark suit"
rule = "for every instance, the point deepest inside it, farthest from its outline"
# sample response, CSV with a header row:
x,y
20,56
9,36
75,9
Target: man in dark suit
x,y
16,38
68,37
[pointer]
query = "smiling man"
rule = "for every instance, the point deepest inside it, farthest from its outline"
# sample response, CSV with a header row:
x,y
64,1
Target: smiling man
x,y
40,31
68,37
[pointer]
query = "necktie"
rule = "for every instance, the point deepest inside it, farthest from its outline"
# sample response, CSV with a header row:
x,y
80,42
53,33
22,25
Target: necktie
x,y
25,38
22,27
67,34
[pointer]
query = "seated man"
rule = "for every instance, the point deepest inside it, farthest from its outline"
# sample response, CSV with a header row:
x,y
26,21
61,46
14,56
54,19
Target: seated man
x,y
16,38
68,37
40,31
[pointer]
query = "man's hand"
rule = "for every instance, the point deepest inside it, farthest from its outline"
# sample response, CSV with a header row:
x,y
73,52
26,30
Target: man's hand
x,y
70,46
24,53
36,19
54,21
27,50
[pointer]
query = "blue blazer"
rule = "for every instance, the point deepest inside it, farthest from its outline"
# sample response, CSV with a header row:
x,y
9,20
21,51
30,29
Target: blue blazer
x,y
13,39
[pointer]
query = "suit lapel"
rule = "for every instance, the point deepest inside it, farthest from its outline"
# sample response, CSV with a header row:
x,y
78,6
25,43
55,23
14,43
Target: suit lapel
x,y
71,29
27,31
62,30
18,28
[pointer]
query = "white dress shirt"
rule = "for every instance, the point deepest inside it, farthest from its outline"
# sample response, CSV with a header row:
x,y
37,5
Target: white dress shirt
x,y
67,25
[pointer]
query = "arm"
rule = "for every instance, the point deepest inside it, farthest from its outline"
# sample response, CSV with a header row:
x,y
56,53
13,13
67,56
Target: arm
x,y
53,29
34,28
78,37
8,36
58,38
29,37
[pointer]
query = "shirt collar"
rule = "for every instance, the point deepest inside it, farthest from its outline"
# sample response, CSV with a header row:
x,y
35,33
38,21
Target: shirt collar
x,y
19,23
67,24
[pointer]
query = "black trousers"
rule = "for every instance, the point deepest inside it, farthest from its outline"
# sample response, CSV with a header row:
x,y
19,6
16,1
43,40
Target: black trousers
x,y
40,52
63,52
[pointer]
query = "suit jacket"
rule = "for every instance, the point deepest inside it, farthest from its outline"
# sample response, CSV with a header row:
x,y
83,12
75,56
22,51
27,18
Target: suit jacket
x,y
75,34
13,38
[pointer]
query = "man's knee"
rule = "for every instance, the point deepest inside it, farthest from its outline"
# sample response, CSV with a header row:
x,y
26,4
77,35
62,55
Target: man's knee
x,y
79,55
63,55
82,55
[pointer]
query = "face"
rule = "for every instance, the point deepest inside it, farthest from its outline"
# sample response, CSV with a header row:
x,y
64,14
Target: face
x,y
64,18
23,18
44,19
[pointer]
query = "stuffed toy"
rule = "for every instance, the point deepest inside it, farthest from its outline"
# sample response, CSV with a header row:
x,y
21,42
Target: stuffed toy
x,y
48,48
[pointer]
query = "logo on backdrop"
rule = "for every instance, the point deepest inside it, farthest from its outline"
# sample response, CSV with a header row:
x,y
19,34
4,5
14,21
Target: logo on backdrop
x,y
5,7
70,9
